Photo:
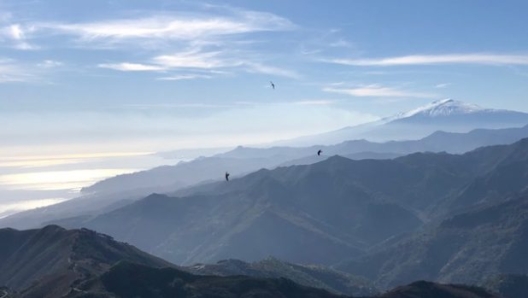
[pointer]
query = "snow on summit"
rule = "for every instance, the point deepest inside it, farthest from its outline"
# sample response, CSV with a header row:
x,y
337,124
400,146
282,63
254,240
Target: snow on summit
x,y
444,107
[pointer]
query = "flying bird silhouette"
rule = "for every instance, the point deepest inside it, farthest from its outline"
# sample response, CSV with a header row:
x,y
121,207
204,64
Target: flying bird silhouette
x,y
319,152
272,85
227,176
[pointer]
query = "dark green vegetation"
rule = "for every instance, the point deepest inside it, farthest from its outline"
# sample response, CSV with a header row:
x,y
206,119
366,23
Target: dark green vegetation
x,y
467,248
316,276
50,260
422,289
132,280
508,285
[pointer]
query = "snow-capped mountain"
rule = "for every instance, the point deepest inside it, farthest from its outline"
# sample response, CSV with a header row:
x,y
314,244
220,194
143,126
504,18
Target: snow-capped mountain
x,y
444,107
447,115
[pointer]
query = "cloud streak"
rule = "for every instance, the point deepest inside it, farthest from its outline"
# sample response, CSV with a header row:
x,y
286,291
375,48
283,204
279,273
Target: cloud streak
x,y
174,27
125,66
378,91
473,58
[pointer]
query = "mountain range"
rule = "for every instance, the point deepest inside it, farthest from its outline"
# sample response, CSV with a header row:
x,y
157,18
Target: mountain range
x,y
329,211
442,115
363,218
115,192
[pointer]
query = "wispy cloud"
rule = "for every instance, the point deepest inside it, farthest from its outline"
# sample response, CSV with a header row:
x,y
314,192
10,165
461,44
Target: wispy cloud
x,y
378,91
170,26
472,58
442,85
131,67
271,70
11,71
192,59
319,102
15,71
17,35
198,59
178,106
184,77
204,40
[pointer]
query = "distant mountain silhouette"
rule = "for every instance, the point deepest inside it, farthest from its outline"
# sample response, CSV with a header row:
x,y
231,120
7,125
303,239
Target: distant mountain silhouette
x,y
326,212
442,115
112,193
467,248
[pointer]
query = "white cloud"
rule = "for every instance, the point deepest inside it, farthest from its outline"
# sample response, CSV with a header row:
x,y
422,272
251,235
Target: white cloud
x,y
320,102
473,58
185,77
176,27
11,71
50,64
211,61
442,85
17,34
125,66
192,59
271,70
378,91
16,71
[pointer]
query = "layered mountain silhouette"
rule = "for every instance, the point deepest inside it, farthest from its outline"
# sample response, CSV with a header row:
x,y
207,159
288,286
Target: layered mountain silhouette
x,y
115,192
471,247
445,115
326,212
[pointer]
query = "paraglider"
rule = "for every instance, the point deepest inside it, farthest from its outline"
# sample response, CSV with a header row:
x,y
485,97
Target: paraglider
x,y
227,176
319,152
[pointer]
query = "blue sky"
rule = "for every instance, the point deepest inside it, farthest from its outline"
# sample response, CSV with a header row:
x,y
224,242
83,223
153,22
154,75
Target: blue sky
x,y
131,76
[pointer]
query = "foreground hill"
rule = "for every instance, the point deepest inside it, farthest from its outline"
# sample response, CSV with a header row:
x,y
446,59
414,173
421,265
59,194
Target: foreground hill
x,y
53,262
57,257
508,285
315,276
423,289
131,280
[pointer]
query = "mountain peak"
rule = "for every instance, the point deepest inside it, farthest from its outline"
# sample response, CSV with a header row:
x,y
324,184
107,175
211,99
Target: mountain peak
x,y
444,107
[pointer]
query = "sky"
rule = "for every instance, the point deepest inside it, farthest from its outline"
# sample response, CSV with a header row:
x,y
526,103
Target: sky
x,y
85,84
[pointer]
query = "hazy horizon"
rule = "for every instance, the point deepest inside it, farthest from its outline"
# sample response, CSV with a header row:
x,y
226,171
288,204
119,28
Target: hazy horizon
x,y
89,90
